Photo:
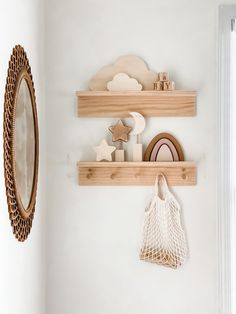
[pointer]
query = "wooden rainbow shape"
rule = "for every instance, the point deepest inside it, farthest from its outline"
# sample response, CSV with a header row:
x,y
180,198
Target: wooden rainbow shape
x,y
160,141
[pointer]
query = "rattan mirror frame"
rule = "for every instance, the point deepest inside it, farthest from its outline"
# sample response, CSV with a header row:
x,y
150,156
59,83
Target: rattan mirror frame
x,y
19,69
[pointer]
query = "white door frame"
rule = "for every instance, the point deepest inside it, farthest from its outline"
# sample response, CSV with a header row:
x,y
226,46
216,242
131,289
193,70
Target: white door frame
x,y
226,13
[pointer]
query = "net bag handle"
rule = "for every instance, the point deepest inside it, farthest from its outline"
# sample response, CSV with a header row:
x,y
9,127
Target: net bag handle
x,y
162,182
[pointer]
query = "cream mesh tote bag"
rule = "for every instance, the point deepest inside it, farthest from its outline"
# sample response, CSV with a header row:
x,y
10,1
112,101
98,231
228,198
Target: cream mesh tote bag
x,y
164,241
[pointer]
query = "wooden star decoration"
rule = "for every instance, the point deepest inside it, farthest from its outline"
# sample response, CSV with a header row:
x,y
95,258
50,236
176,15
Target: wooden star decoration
x,y
104,151
120,132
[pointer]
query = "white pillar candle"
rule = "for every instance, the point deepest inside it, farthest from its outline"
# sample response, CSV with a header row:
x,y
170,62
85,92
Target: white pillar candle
x,y
138,152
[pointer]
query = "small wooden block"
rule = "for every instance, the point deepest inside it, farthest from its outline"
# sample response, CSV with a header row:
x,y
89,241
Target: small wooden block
x,y
158,85
163,76
119,155
168,85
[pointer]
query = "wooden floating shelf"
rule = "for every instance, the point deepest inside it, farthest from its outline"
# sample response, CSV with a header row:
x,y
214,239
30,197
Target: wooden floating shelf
x,y
136,173
149,103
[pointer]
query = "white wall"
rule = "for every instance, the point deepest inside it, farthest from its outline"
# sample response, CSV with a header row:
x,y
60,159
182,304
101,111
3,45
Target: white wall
x,y
94,232
22,264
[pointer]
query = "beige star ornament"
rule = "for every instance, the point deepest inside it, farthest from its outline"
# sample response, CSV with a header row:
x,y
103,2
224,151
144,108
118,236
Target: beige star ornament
x,y
120,132
104,151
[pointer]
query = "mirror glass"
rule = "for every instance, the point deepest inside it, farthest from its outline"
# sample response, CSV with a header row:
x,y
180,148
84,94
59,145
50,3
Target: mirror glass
x,y
24,144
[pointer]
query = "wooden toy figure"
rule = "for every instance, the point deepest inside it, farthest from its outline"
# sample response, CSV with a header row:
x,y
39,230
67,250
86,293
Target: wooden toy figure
x,y
120,134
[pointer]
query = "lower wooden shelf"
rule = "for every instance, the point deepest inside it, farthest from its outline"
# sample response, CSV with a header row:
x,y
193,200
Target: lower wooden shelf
x,y
136,173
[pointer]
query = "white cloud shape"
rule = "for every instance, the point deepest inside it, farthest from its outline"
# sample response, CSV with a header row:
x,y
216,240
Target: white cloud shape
x,y
122,82
132,65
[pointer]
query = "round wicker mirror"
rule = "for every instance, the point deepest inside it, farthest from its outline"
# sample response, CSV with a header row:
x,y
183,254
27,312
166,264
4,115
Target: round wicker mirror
x,y
20,137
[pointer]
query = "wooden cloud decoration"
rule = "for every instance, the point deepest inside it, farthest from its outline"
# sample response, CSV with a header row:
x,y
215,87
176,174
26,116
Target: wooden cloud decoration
x,y
123,82
132,65
164,147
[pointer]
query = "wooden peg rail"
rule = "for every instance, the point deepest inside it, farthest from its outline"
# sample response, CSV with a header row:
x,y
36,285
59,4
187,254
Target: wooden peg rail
x,y
177,103
136,173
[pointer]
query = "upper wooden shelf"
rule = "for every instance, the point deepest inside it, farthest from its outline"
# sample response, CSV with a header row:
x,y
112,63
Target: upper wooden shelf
x,y
176,103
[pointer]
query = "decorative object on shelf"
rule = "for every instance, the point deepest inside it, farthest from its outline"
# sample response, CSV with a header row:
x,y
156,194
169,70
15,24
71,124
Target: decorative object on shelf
x,y
158,86
21,144
164,147
163,76
169,86
132,65
104,151
163,82
164,241
123,82
120,133
139,126
120,152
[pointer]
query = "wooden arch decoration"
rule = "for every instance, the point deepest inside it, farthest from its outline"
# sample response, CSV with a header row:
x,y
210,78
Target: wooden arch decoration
x,y
158,141
19,73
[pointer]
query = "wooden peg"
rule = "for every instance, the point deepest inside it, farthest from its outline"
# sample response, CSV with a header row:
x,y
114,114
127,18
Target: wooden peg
x,y
89,175
184,175
112,176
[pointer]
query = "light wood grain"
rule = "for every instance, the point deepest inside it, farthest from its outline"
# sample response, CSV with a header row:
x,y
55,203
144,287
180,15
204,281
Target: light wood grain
x,y
136,173
148,103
